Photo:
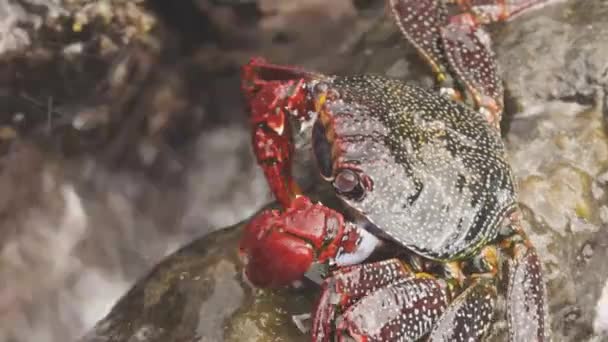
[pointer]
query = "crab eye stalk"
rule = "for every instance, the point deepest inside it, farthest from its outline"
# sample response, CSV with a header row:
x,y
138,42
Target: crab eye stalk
x,y
348,184
322,150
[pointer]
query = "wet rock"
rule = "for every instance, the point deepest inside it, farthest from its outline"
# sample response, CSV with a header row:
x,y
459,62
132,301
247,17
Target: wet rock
x,y
281,14
117,22
102,147
198,294
573,68
558,157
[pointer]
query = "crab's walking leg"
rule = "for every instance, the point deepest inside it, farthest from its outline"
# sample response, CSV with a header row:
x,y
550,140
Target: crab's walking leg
x,y
388,301
458,46
526,306
381,301
472,59
420,21
470,316
453,47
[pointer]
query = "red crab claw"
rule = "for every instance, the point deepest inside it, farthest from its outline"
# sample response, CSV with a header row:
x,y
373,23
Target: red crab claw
x,y
273,92
280,247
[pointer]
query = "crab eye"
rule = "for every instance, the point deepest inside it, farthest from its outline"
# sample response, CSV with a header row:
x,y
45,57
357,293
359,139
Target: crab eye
x,y
348,184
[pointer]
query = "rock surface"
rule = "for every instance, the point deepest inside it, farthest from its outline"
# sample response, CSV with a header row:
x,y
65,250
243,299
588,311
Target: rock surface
x,y
197,294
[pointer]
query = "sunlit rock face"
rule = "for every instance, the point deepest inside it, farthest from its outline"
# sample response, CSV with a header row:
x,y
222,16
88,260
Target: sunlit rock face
x,y
559,156
559,152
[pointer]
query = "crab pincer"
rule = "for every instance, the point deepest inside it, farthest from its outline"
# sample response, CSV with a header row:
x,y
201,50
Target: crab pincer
x,y
273,93
281,247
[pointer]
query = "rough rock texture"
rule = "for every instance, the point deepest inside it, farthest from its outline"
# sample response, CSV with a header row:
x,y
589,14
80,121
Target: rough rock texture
x,y
22,21
197,294
559,151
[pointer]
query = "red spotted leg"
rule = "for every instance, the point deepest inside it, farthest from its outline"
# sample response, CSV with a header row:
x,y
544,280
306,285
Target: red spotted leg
x,y
527,312
454,48
387,301
381,301
458,46
468,49
469,316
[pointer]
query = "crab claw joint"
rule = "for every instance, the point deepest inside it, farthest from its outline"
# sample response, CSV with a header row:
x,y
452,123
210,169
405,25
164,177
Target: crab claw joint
x,y
278,248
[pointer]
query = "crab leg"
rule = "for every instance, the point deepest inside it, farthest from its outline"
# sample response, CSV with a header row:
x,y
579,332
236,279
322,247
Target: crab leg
x,y
526,306
468,49
470,56
453,46
458,46
387,300
420,23
382,301
469,316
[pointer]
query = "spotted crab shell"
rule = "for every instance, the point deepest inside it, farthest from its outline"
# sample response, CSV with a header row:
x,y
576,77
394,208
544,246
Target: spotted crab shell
x,y
441,183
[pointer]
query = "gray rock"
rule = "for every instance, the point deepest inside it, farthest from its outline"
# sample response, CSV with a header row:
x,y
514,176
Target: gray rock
x,y
558,52
198,294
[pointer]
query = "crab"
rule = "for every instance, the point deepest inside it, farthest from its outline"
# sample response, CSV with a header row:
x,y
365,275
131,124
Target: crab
x,y
429,232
